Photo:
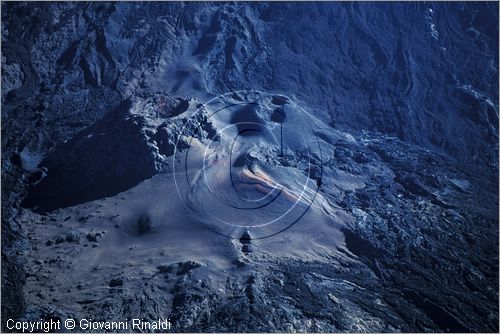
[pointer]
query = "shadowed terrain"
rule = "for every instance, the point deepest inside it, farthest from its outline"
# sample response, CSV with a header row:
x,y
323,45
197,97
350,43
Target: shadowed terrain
x,y
282,166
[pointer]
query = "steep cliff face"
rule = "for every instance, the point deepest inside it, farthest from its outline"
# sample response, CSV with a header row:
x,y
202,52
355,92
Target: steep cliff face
x,y
386,113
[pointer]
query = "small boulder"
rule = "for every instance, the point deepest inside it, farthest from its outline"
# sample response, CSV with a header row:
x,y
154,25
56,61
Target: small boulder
x,y
245,238
94,236
247,249
115,282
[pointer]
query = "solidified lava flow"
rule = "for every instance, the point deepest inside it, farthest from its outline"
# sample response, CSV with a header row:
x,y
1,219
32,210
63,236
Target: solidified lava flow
x,y
251,167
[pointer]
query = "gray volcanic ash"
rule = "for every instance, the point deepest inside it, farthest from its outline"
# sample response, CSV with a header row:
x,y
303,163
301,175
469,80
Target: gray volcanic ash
x,y
326,167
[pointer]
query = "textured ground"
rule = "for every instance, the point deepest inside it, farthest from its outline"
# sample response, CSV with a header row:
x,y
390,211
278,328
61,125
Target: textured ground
x,y
128,169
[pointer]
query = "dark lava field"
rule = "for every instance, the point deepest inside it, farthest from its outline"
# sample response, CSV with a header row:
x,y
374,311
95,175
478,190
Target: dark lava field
x,y
251,166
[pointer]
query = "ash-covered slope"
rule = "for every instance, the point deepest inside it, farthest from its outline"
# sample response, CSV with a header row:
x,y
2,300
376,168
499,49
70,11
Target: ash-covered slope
x,y
390,237
400,98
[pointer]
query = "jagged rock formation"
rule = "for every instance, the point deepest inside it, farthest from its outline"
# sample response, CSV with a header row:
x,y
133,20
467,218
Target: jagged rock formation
x,y
103,103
